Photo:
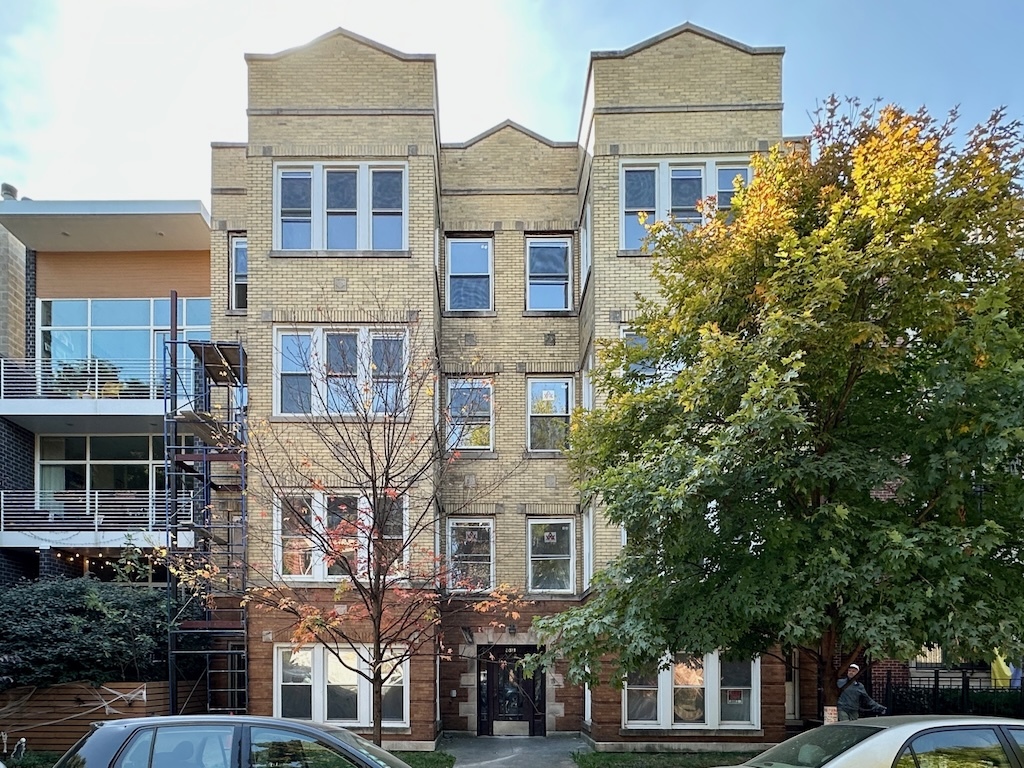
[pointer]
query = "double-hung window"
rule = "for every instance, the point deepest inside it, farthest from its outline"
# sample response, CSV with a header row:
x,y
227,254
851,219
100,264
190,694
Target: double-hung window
x,y
727,183
327,535
550,403
637,364
639,196
694,692
302,550
470,554
313,683
341,207
552,566
387,199
687,192
470,271
295,209
388,527
548,270
239,272
323,371
471,413
659,188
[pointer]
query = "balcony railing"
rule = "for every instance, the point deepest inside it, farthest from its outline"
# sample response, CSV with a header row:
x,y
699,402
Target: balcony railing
x,y
86,511
69,379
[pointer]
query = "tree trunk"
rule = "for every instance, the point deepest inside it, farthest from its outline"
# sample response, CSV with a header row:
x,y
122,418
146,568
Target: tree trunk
x,y
378,705
828,669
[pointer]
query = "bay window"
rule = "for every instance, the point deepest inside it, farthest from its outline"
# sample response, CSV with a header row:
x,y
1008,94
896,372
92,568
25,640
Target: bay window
x,y
657,188
694,692
341,206
322,371
314,683
317,532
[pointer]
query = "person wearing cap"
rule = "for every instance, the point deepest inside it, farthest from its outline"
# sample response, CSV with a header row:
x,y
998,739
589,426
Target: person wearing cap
x,y
853,696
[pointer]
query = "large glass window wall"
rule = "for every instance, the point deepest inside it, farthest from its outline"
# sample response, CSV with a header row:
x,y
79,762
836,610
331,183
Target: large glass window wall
x,y
113,347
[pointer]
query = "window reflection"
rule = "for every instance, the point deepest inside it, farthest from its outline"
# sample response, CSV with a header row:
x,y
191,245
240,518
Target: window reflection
x,y
113,347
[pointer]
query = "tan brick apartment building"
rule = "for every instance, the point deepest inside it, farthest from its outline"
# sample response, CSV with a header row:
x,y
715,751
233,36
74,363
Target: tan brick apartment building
x,y
516,255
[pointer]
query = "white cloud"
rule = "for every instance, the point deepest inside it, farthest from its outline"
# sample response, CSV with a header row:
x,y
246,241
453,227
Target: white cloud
x,y
120,99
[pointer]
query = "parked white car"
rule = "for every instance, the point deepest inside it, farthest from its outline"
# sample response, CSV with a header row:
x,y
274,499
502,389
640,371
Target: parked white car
x,y
908,741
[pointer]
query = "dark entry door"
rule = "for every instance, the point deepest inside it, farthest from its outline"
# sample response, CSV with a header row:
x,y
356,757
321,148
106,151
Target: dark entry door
x,y
509,702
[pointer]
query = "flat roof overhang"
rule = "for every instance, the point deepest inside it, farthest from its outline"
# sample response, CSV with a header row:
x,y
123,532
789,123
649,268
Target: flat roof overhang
x,y
85,416
90,226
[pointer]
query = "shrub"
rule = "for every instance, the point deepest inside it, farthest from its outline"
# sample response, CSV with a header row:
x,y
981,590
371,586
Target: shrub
x,y
70,630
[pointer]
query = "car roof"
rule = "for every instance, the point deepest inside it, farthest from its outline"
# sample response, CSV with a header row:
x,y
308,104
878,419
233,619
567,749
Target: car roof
x,y
208,719
916,722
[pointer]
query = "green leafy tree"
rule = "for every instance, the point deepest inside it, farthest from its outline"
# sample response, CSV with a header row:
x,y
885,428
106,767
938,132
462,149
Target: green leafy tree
x,y
817,445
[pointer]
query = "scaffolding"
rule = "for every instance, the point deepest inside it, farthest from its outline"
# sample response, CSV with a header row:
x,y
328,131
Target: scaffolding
x,y
205,477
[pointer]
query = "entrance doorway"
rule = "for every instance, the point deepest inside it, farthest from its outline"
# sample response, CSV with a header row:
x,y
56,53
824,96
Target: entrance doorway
x,y
509,702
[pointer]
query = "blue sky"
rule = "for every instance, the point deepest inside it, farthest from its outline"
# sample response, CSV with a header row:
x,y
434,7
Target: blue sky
x,y
120,99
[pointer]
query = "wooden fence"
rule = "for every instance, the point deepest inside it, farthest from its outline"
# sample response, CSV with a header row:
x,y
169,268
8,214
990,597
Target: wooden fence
x,y
54,718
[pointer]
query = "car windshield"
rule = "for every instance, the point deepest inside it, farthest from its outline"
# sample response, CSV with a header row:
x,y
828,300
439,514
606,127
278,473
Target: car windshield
x,y
368,749
814,748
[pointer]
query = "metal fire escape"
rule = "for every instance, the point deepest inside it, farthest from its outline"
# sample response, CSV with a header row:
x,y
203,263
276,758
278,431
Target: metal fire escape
x,y
205,476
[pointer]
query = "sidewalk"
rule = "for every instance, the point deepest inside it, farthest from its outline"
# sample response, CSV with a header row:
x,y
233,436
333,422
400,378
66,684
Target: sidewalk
x,y
513,751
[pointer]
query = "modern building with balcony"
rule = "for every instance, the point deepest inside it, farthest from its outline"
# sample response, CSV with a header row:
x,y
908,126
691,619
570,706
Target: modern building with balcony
x,y
82,397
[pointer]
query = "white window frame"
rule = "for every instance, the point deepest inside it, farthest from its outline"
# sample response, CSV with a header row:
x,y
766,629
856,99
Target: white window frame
x,y
567,242
663,168
530,523
588,521
570,383
236,278
456,433
364,689
626,332
586,244
685,212
712,700
587,379
470,522
319,570
318,203
317,367
737,170
489,242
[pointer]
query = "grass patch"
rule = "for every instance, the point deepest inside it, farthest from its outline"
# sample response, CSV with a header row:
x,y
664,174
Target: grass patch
x,y
427,759
660,759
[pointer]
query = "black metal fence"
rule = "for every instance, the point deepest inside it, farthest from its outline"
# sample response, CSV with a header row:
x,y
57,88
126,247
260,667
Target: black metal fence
x,y
951,697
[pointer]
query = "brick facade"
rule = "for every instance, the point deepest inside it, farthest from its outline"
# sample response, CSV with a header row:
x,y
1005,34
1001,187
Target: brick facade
x,y
686,97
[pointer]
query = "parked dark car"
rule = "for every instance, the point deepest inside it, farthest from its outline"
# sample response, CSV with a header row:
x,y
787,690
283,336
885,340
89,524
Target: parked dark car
x,y
210,741
908,741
